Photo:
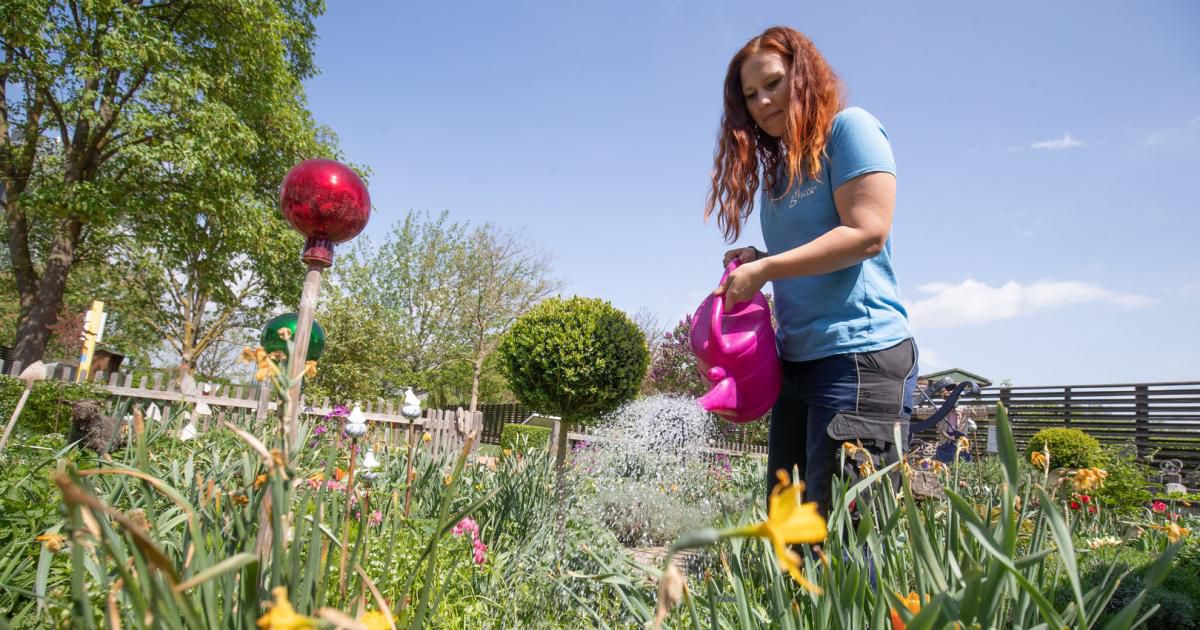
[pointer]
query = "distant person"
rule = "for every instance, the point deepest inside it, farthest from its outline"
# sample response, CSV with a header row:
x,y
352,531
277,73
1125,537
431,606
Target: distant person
x,y
827,181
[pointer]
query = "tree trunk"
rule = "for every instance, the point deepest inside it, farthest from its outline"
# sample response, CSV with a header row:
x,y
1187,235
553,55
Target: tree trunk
x,y
560,489
475,378
33,331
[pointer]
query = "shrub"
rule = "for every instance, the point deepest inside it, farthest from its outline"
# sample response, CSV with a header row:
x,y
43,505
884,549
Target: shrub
x,y
523,437
48,409
577,359
1069,448
1124,490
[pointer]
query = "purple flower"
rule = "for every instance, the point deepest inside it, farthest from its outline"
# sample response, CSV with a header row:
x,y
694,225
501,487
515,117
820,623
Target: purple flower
x,y
320,429
376,518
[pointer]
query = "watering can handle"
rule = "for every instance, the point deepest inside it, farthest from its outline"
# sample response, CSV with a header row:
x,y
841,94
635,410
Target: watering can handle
x,y
718,309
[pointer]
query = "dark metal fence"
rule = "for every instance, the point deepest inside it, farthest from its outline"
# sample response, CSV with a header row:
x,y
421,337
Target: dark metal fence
x,y
1158,421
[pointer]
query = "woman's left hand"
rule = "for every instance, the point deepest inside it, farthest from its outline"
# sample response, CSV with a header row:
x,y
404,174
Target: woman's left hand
x,y
742,284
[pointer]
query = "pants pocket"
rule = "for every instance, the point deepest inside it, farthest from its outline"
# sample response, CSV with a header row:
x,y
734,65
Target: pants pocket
x,y
868,427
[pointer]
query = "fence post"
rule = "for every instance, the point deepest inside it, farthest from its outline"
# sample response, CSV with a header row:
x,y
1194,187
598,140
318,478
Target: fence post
x,y
1067,405
1141,412
264,397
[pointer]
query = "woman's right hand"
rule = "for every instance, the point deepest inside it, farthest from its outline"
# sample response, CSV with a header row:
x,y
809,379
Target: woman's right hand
x,y
743,254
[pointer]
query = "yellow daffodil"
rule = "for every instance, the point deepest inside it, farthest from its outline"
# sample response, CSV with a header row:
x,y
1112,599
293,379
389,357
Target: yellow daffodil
x,y
1175,533
867,467
1039,459
912,602
1089,478
427,437
266,369
260,480
282,616
375,620
963,444
851,448
789,521
310,369
508,452
53,542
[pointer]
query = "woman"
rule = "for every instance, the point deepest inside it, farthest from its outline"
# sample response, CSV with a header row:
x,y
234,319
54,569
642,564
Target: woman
x,y
828,184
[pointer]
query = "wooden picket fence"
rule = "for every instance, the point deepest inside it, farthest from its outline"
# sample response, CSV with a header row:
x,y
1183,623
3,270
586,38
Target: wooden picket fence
x,y
447,428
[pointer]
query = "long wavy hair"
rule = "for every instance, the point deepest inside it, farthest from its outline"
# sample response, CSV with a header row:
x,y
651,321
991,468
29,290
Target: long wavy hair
x,y
742,147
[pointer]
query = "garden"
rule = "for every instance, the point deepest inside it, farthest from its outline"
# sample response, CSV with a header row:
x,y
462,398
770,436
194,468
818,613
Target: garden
x,y
142,146
639,526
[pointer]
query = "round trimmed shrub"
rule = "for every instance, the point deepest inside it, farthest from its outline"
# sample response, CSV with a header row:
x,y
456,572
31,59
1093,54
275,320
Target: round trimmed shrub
x,y
1069,448
577,359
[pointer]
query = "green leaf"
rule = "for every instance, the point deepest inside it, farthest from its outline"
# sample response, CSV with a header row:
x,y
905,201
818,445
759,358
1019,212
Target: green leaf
x,y
230,564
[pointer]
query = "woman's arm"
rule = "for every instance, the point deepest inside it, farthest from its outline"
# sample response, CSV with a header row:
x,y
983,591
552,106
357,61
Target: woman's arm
x,y
864,205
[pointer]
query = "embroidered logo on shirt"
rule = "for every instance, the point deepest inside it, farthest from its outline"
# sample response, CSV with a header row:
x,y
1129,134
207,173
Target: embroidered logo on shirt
x,y
807,191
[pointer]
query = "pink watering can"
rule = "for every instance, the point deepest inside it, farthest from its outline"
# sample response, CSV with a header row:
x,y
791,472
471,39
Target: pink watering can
x,y
736,354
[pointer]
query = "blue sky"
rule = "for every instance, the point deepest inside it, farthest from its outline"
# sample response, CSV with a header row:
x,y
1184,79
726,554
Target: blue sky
x,y
1048,155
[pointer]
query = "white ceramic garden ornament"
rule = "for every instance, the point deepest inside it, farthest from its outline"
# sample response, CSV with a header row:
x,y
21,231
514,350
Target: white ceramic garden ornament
x,y
188,431
412,405
356,423
35,372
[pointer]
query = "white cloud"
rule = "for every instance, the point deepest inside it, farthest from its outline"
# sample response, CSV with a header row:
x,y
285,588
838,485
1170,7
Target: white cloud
x,y
1156,139
931,361
973,302
1059,144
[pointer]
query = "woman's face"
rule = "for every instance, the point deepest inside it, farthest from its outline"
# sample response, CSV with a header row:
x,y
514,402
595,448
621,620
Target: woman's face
x,y
767,89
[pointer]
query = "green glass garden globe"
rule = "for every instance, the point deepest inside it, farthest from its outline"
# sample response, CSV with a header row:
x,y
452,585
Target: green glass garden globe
x,y
271,342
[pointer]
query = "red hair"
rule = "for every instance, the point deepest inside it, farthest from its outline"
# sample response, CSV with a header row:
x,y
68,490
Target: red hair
x,y
742,147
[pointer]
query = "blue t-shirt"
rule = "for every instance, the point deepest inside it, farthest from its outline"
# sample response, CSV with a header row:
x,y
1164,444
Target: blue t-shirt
x,y
856,309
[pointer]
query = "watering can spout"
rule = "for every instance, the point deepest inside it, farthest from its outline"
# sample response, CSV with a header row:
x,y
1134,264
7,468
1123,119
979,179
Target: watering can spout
x,y
722,398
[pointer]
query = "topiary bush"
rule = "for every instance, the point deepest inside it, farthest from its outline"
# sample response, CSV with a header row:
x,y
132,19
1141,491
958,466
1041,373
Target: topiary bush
x,y
524,437
577,359
1069,448
48,409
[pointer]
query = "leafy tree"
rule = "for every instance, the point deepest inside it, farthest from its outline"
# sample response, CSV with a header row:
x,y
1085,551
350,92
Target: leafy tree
x,y
360,355
504,277
111,114
415,277
392,314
